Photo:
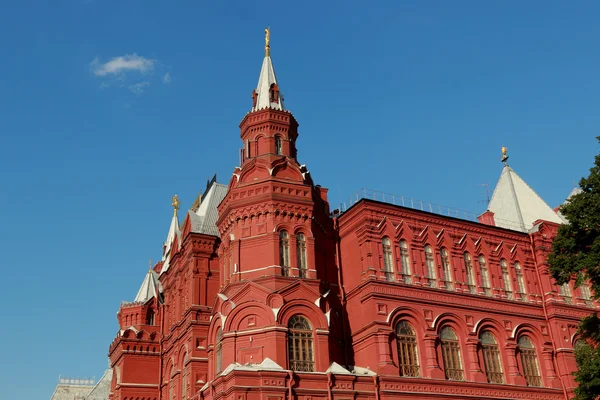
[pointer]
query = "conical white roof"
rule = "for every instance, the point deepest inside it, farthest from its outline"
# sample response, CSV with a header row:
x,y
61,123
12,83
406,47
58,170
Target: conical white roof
x,y
149,287
516,205
173,231
266,79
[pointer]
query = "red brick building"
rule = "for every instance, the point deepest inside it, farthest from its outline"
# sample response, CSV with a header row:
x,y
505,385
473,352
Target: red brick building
x,y
264,293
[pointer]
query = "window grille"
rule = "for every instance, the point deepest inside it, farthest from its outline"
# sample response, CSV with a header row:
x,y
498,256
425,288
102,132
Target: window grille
x,y
300,344
408,360
219,352
451,354
565,292
447,269
506,279
388,259
522,292
531,370
469,272
405,260
431,275
485,278
585,294
301,254
284,253
277,145
491,357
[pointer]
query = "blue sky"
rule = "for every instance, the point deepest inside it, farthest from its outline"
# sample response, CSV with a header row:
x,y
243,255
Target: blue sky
x,y
108,108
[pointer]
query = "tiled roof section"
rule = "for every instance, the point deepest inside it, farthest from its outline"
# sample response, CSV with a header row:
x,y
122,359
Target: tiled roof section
x,y
102,388
516,205
71,391
266,79
149,287
205,219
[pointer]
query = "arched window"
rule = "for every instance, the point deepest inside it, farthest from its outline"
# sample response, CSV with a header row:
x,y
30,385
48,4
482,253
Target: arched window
x,y
300,344
522,291
277,145
301,255
565,292
431,275
408,359
172,384
584,289
247,148
579,345
388,259
405,260
284,253
485,277
150,317
184,378
451,354
491,357
506,279
469,272
219,352
529,362
447,269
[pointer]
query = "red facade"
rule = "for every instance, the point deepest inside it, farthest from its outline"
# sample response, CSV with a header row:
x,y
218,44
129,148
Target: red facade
x,y
378,302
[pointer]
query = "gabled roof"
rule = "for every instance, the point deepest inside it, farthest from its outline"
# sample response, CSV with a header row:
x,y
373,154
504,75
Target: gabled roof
x,y
149,287
204,220
266,79
516,205
102,389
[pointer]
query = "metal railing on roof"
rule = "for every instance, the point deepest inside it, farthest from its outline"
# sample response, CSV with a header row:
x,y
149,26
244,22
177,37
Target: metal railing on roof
x,y
421,205
407,202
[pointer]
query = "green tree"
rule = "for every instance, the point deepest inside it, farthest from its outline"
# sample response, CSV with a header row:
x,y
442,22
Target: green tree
x,y
576,256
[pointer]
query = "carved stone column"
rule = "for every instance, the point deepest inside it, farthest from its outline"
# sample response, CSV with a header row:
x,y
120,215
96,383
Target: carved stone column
x,y
513,374
432,367
473,361
548,370
384,362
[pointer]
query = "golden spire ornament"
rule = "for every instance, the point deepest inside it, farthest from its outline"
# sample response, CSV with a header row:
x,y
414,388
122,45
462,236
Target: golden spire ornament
x,y
504,156
175,204
267,42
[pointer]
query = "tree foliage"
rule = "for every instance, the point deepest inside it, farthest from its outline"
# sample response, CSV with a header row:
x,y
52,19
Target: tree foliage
x,y
576,256
587,356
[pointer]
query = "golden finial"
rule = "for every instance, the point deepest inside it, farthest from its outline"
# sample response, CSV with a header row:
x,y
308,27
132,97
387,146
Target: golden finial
x,y
175,204
504,156
267,41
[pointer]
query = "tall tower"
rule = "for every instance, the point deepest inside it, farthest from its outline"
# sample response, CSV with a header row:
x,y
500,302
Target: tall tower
x,y
277,248
273,218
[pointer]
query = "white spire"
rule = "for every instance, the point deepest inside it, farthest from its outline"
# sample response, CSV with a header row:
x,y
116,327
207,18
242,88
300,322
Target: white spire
x,y
516,205
149,287
267,81
173,231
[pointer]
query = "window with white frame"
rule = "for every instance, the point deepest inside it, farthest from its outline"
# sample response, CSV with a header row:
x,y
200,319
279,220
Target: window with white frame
x,y
405,261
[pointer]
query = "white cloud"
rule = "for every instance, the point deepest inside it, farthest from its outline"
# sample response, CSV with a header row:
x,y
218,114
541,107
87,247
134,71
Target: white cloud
x,y
122,64
167,78
138,88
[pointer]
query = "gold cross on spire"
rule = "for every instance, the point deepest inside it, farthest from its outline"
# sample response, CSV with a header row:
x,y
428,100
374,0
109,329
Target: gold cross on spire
x,y
175,204
267,42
